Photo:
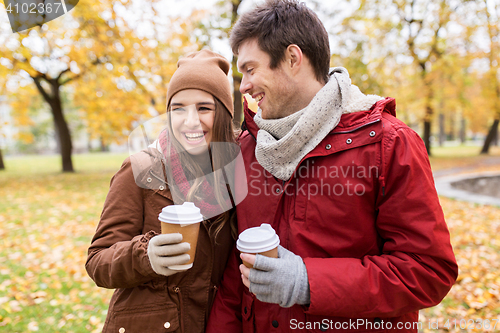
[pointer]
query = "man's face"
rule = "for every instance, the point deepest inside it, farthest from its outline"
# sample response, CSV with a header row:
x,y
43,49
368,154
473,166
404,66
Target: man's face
x,y
271,88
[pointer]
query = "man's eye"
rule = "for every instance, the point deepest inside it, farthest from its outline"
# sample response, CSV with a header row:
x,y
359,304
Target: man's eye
x,y
249,70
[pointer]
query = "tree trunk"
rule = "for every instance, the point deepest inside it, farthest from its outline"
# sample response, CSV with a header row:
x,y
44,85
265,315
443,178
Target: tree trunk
x,y
104,147
495,137
238,103
429,111
451,133
428,121
462,130
490,137
62,128
60,124
427,136
2,165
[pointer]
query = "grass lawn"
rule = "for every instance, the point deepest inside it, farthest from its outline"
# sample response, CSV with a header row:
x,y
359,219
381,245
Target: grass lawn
x,y
47,220
463,157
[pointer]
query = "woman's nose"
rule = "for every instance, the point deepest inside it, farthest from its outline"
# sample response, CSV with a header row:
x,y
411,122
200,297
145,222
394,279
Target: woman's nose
x,y
192,119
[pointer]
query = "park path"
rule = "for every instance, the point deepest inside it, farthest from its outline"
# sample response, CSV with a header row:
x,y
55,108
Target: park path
x,y
489,161
444,178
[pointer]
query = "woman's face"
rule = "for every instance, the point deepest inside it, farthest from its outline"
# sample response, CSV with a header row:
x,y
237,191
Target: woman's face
x,y
192,114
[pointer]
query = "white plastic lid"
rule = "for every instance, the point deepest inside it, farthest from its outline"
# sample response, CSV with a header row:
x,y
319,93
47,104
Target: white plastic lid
x,y
187,213
258,239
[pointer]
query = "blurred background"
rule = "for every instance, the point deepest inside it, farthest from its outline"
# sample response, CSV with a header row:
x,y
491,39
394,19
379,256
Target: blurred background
x,y
83,81
73,89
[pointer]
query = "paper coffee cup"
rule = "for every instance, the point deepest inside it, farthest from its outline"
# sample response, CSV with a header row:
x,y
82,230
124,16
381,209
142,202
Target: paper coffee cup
x,y
184,219
259,240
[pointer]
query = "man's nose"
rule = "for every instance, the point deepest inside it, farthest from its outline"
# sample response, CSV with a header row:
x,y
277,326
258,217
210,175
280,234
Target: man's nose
x,y
245,85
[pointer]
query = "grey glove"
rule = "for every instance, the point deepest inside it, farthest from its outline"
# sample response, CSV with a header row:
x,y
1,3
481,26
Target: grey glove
x,y
166,250
281,280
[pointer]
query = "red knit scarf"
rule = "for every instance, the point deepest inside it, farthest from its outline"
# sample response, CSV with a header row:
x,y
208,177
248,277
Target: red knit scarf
x,y
205,200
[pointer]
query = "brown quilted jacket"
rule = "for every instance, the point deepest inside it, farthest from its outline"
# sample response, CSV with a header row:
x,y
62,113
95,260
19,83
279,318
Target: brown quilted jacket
x,y
117,258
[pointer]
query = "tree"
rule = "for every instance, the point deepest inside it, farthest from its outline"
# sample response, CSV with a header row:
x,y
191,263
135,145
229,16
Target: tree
x,y
491,12
427,20
238,107
55,55
218,27
2,121
359,70
452,82
404,41
113,76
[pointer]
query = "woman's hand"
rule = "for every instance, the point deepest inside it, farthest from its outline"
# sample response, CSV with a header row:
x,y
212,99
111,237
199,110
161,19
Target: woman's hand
x,y
167,250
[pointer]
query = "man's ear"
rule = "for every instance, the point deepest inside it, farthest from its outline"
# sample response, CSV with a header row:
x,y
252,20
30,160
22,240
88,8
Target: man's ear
x,y
294,58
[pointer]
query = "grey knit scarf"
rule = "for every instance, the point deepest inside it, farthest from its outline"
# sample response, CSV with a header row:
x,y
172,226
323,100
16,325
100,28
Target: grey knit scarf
x,y
282,143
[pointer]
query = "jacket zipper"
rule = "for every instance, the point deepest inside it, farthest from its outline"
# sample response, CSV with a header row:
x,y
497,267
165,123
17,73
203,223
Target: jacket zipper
x,y
214,292
177,290
382,165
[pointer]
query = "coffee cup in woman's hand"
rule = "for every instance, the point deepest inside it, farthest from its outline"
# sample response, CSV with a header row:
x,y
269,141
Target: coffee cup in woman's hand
x,y
183,219
167,250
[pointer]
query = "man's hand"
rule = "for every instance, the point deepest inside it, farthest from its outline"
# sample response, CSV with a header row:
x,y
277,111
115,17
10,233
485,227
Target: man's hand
x,y
281,280
167,250
245,271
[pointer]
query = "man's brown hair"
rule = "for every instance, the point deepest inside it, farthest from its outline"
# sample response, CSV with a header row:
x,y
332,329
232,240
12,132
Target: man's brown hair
x,y
278,23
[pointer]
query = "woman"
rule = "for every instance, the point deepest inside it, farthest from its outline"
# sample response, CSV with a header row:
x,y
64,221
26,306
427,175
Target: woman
x,y
128,253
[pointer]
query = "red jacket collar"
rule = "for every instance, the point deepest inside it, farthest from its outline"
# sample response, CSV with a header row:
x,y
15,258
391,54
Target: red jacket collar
x,y
248,115
386,105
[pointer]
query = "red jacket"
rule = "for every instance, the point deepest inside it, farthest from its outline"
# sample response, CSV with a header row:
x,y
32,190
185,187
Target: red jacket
x,y
363,213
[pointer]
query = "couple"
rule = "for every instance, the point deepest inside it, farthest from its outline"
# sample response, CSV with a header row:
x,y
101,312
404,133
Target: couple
x,y
368,245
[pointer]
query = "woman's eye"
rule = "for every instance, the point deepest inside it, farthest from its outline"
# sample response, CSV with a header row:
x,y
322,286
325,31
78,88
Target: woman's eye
x,y
204,109
178,110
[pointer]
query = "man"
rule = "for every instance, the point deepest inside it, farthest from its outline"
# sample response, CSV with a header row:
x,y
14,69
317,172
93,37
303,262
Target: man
x,y
347,187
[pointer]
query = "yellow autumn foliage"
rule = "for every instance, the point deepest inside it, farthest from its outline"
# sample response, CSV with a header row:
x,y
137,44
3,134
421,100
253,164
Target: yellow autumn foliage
x,y
110,74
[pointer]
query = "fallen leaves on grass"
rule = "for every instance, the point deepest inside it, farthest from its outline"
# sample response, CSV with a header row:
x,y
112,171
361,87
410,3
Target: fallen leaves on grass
x,y
475,236
46,229
47,224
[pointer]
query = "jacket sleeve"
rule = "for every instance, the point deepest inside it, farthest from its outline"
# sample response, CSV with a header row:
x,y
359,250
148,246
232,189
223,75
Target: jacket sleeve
x,y
417,266
117,257
226,311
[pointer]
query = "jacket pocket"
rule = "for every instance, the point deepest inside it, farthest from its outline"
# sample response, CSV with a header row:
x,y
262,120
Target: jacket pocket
x,y
158,318
248,317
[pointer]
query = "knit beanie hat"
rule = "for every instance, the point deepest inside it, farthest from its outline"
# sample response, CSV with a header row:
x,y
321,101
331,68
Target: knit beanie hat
x,y
204,70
